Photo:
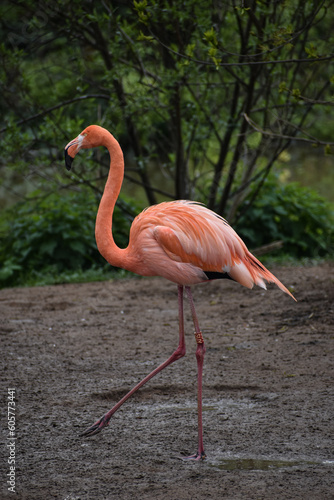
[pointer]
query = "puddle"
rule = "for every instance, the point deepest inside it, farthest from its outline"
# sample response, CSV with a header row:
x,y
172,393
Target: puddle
x,y
258,464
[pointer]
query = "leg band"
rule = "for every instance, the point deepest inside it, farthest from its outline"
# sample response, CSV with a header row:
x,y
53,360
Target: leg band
x,y
199,337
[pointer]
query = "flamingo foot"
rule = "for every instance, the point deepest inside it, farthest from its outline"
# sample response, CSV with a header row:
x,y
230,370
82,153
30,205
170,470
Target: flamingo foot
x,y
97,427
197,457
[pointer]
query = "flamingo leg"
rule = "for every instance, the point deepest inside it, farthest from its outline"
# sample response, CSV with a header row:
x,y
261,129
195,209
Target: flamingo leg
x,y
177,354
200,351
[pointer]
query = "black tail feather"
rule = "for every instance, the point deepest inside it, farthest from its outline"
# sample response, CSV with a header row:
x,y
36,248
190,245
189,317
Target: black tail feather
x,y
213,275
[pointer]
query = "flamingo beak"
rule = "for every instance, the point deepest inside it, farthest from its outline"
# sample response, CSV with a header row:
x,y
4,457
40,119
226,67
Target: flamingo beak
x,y
68,160
71,149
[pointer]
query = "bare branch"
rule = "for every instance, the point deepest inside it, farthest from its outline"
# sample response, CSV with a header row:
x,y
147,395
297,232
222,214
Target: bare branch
x,y
57,106
310,101
247,63
288,137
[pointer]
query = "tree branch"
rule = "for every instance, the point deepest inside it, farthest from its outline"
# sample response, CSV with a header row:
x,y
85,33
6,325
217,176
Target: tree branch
x,y
57,106
247,63
283,136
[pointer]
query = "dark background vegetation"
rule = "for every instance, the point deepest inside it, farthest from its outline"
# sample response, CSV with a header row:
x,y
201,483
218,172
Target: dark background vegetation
x,y
207,99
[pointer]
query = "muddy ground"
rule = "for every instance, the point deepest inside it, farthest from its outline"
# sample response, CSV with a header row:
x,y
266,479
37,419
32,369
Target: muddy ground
x,y
71,351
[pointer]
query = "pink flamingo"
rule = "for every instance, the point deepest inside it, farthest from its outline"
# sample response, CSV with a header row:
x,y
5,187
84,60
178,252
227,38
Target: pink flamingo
x,y
182,241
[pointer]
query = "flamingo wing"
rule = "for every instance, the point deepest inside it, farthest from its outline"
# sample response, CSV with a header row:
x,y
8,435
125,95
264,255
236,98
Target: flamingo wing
x,y
200,237
189,233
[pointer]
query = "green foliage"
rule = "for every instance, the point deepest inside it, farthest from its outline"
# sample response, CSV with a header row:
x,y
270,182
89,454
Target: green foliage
x,y
172,81
54,237
298,216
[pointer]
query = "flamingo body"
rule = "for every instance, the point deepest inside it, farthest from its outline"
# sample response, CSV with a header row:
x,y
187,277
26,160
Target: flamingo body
x,y
182,241
187,243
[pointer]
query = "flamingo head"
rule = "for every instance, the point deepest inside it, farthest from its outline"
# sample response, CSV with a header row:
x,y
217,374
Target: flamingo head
x,y
90,137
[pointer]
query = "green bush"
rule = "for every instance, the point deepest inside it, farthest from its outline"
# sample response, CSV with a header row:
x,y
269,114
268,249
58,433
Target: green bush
x,y
296,215
52,240
54,237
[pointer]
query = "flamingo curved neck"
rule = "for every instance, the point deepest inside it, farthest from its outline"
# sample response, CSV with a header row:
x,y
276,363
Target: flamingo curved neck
x,y
103,227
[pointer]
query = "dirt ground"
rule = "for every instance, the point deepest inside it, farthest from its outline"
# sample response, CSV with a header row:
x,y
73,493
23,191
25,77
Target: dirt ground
x,y
71,351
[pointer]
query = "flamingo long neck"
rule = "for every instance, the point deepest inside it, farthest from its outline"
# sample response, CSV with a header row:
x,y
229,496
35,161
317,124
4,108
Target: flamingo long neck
x,y
103,227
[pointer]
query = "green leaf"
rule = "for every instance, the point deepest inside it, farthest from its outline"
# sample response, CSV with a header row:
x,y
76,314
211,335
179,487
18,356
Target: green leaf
x,y
210,37
311,51
296,93
147,38
282,87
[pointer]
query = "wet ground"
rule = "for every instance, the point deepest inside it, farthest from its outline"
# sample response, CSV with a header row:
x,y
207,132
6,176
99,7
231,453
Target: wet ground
x,y
71,351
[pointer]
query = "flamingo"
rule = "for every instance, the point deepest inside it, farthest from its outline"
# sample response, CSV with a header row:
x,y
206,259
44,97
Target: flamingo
x,y
182,241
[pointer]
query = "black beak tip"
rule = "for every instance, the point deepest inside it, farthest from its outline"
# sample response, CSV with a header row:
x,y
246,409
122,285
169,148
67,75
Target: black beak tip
x,y
68,160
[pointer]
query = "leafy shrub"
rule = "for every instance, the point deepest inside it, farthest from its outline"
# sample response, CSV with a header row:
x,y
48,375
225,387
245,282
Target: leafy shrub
x,y
53,240
55,235
298,216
